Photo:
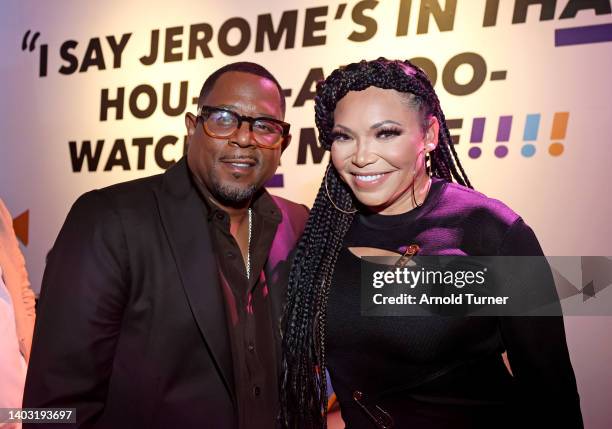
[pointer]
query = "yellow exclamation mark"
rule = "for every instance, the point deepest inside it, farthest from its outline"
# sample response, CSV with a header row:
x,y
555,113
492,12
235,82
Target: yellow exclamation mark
x,y
559,129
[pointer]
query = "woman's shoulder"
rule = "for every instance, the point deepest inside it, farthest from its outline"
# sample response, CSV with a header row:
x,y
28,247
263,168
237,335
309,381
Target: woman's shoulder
x,y
469,203
487,224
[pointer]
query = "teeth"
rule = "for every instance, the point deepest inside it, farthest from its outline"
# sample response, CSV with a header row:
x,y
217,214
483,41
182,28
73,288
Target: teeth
x,y
369,178
241,165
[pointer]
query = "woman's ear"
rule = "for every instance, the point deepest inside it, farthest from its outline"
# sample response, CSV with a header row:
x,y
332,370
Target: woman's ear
x,y
431,134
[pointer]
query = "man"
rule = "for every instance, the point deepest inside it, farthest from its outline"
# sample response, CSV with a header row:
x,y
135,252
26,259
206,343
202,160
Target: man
x,y
161,299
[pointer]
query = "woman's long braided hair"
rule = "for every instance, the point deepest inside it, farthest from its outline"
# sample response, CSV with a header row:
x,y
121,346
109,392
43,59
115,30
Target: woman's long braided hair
x,y
303,382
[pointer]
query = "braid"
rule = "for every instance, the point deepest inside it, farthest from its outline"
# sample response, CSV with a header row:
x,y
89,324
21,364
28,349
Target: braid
x,y
304,380
446,158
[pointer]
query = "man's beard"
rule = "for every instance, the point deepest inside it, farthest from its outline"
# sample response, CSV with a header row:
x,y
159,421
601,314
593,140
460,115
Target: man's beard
x,y
232,194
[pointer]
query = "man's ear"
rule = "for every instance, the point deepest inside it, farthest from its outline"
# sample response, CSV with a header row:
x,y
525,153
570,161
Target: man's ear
x,y
191,122
285,143
431,135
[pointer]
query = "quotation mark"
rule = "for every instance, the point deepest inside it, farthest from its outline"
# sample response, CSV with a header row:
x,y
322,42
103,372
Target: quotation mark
x,y
42,60
24,42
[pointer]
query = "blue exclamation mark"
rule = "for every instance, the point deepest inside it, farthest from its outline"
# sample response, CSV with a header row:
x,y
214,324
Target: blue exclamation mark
x,y
532,125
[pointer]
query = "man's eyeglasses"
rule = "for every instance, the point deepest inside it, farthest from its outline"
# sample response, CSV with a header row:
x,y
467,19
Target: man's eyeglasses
x,y
223,123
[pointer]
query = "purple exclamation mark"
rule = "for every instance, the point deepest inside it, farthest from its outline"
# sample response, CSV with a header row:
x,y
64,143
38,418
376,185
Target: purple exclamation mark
x,y
478,125
503,135
559,129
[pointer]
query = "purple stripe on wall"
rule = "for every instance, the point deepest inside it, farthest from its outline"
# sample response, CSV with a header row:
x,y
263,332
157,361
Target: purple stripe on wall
x,y
277,181
582,35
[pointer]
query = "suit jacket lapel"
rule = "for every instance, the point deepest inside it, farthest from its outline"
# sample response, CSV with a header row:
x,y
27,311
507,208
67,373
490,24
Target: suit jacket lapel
x,y
279,262
183,216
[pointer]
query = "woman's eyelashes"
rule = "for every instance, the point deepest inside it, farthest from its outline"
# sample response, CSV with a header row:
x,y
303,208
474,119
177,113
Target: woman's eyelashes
x,y
388,132
382,133
339,136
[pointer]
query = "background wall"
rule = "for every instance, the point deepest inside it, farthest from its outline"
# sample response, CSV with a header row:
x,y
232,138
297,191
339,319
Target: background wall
x,y
526,89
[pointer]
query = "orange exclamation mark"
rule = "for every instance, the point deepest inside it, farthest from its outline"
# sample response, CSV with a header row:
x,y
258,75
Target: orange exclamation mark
x,y
559,129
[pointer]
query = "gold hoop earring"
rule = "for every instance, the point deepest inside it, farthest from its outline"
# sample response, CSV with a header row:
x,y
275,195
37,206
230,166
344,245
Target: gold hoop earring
x,y
329,196
414,200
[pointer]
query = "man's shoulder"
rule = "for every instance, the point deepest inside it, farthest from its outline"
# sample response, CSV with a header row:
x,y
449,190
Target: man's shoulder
x,y
292,213
131,196
133,188
175,180
290,206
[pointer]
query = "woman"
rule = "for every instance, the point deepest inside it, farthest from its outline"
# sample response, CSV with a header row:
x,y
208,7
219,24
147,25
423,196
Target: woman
x,y
383,123
17,316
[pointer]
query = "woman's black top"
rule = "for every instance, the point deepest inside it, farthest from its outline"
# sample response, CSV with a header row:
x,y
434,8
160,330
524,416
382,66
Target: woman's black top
x,y
446,372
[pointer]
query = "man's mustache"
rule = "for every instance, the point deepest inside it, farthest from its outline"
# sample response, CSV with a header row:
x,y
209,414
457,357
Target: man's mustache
x,y
240,158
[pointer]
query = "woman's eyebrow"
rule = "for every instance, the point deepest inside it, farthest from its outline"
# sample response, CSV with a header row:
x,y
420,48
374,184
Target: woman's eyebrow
x,y
347,129
380,124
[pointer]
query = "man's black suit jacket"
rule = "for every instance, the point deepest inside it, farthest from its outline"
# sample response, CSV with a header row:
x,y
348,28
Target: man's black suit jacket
x,y
131,328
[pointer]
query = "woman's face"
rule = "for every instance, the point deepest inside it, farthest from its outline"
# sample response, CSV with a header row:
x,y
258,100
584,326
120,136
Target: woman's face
x,y
378,145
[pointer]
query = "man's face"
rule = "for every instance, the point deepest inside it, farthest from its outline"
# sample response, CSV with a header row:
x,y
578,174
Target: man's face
x,y
234,168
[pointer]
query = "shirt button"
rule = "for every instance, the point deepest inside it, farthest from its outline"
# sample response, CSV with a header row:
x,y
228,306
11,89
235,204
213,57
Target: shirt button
x,y
251,348
230,254
256,390
220,216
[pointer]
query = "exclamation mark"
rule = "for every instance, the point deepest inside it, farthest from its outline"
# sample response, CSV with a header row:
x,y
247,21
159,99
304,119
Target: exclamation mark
x,y
559,129
532,125
503,135
478,125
